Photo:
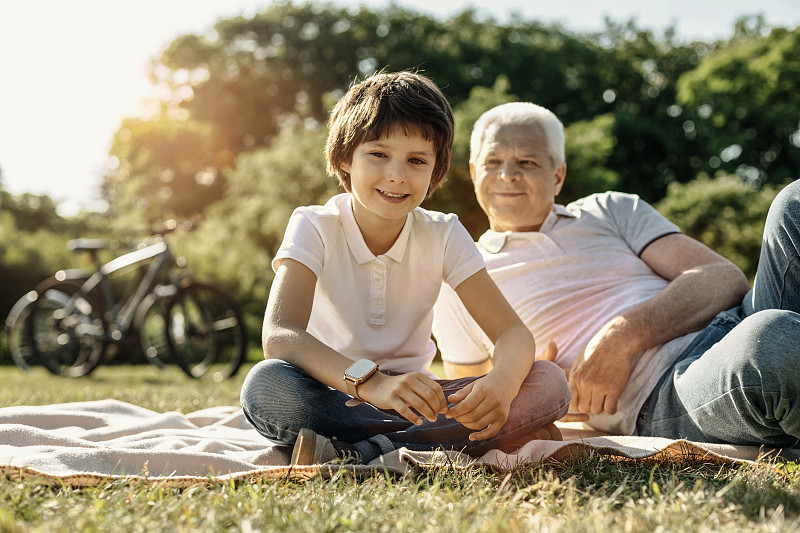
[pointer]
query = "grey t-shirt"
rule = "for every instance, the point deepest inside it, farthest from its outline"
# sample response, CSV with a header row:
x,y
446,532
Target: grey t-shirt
x,y
567,280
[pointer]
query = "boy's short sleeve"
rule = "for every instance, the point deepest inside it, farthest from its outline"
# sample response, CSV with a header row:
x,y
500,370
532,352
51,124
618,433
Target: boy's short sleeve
x,y
461,256
302,242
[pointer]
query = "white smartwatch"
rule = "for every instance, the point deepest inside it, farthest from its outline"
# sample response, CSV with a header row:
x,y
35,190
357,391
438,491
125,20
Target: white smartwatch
x,y
358,373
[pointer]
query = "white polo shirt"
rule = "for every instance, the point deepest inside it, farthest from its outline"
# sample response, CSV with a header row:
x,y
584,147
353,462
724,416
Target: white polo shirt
x,y
379,308
567,280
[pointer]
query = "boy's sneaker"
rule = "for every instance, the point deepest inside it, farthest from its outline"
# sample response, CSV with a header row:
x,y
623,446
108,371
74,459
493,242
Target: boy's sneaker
x,y
313,449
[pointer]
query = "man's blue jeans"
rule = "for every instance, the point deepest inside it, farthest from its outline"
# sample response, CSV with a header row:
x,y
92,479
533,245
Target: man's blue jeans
x,y
279,399
739,381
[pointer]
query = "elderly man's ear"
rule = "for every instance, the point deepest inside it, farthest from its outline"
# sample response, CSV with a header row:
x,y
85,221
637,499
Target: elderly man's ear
x,y
560,176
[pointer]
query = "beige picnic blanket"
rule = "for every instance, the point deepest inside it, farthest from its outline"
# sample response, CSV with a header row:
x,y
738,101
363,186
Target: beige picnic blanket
x,y
89,443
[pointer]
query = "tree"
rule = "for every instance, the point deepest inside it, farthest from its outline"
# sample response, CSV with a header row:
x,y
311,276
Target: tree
x,y
743,106
169,167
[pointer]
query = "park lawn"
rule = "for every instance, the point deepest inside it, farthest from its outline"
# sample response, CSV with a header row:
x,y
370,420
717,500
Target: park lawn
x,y
584,494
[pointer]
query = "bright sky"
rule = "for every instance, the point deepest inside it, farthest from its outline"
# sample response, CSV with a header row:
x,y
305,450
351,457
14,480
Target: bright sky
x,y
70,69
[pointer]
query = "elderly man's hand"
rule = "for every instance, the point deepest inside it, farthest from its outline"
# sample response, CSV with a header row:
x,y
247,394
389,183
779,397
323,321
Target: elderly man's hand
x,y
598,379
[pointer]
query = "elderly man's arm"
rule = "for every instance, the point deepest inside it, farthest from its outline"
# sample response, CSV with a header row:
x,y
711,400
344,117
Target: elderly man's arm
x,y
702,283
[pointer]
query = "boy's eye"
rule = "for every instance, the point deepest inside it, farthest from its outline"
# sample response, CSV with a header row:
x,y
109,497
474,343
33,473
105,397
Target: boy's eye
x,y
377,154
417,161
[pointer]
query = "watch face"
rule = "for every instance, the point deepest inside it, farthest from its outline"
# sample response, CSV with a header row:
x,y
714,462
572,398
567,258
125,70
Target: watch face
x,y
360,369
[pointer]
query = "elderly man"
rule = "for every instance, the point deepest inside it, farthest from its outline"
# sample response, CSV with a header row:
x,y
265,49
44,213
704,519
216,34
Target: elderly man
x,y
658,334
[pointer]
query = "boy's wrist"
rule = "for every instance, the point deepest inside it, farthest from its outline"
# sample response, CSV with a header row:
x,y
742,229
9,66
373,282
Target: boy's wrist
x,y
507,377
357,374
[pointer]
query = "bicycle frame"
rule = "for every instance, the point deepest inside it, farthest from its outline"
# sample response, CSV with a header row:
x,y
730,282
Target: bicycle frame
x,y
120,317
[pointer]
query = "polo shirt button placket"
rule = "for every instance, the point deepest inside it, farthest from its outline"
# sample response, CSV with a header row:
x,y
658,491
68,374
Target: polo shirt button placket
x,y
378,292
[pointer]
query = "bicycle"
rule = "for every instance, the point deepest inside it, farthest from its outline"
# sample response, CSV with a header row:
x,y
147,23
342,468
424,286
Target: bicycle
x,y
69,322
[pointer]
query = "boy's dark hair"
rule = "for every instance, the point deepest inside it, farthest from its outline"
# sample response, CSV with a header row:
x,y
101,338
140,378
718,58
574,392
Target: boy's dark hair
x,y
385,103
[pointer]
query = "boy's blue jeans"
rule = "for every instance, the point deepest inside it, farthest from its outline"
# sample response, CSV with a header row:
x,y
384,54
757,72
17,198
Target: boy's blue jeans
x,y
279,399
739,381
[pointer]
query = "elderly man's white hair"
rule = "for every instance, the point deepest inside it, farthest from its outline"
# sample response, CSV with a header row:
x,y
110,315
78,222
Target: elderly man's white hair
x,y
516,114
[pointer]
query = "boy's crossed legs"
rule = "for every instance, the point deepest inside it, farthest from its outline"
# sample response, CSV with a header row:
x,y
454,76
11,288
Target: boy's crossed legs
x,y
279,400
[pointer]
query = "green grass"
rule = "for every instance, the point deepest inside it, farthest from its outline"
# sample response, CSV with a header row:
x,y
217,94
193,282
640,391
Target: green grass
x,y
583,494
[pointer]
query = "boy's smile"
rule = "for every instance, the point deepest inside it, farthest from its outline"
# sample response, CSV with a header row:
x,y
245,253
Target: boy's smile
x,y
389,177
394,196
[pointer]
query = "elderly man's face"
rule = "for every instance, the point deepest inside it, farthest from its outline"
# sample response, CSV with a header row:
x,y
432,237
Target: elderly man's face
x,y
515,180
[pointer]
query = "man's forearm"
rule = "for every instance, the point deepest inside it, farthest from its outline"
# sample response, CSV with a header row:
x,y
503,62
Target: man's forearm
x,y
701,284
688,303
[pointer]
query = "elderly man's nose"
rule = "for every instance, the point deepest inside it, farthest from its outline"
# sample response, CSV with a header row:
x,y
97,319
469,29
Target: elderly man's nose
x,y
508,171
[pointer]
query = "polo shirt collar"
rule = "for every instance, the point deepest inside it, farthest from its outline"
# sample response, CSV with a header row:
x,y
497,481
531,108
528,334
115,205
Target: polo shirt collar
x,y
493,242
355,240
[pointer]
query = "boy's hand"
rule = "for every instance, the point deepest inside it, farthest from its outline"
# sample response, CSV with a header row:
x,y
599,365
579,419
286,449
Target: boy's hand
x,y
405,394
482,405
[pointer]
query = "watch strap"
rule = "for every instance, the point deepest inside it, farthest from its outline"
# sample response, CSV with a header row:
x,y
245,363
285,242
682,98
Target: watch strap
x,y
352,389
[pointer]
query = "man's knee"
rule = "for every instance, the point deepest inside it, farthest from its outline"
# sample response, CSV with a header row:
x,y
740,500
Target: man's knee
x,y
784,212
769,342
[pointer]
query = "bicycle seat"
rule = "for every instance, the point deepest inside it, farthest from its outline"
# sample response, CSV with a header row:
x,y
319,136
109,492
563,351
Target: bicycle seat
x,y
87,245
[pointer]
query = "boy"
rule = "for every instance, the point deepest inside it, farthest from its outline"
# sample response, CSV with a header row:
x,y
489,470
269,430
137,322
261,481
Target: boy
x,y
347,331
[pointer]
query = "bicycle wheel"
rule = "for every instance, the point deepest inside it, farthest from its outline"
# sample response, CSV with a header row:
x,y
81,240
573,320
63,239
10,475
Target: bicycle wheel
x,y
151,324
205,331
21,350
18,340
66,333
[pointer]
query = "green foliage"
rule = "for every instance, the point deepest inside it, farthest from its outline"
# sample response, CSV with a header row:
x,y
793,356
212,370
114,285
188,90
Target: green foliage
x,y
723,213
31,212
169,167
588,147
743,105
636,80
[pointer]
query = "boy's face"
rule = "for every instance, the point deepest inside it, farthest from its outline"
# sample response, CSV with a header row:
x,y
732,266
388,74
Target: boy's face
x,y
390,176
